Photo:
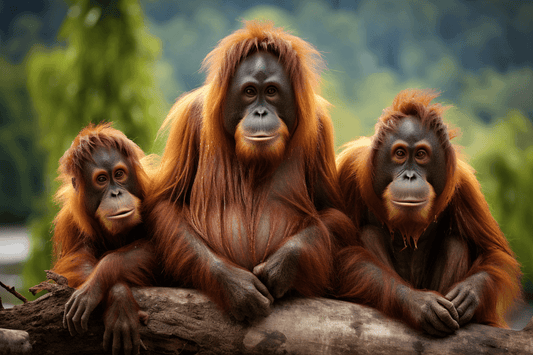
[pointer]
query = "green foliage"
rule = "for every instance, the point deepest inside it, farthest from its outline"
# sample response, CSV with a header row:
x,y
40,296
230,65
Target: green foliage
x,y
505,170
20,162
187,40
103,73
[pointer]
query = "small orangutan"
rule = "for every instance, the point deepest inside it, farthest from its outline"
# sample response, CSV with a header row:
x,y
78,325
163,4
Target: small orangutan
x,y
99,239
429,251
246,204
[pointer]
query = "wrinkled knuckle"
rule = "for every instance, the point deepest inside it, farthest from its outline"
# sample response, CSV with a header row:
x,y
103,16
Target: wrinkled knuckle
x,y
248,298
426,306
249,278
425,299
441,313
267,271
476,300
75,318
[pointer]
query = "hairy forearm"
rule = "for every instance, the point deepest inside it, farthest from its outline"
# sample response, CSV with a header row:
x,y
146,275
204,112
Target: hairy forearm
x,y
133,264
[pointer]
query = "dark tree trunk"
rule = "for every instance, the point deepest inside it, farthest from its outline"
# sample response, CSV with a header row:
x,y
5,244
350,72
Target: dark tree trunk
x,y
183,321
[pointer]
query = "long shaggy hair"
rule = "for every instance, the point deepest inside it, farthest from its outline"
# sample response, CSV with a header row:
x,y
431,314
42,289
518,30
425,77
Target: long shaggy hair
x,y
219,195
73,219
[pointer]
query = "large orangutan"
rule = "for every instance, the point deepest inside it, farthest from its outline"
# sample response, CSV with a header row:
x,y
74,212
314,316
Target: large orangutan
x,y
99,238
429,253
247,200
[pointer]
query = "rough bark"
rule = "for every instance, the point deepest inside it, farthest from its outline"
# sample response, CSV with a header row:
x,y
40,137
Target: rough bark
x,y
183,321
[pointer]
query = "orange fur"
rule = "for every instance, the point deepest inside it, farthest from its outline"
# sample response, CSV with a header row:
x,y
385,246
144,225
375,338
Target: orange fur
x,y
204,184
462,199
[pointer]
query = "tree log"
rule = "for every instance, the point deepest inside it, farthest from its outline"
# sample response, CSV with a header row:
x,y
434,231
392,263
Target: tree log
x,y
14,342
184,321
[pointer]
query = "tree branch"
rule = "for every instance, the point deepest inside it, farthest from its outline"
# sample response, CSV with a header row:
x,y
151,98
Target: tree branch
x,y
184,321
14,292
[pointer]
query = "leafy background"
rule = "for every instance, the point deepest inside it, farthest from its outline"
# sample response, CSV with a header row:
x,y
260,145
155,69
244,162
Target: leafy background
x,y
64,64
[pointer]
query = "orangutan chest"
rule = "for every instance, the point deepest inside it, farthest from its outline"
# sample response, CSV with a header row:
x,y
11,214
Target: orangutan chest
x,y
247,235
413,264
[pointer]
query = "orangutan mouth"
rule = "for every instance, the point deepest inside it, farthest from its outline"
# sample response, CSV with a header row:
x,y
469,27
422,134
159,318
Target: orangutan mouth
x,y
123,213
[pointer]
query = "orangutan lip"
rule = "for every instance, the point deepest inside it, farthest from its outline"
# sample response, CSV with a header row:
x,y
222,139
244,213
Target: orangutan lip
x,y
260,137
410,203
121,214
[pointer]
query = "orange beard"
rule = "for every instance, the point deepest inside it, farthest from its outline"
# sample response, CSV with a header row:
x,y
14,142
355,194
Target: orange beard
x,y
270,151
411,222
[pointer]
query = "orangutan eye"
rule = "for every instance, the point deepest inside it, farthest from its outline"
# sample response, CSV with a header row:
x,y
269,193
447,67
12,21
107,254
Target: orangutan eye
x,y
421,154
249,91
101,179
271,90
400,153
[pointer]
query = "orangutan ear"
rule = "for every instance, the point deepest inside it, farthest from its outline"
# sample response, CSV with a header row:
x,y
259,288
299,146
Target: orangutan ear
x,y
75,184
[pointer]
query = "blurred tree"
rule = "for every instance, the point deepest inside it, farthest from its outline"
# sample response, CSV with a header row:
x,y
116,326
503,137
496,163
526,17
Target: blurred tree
x,y
504,169
20,161
104,73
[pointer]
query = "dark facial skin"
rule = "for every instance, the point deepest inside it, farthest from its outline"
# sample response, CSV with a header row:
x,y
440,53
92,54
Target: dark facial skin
x,y
260,93
410,156
110,186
